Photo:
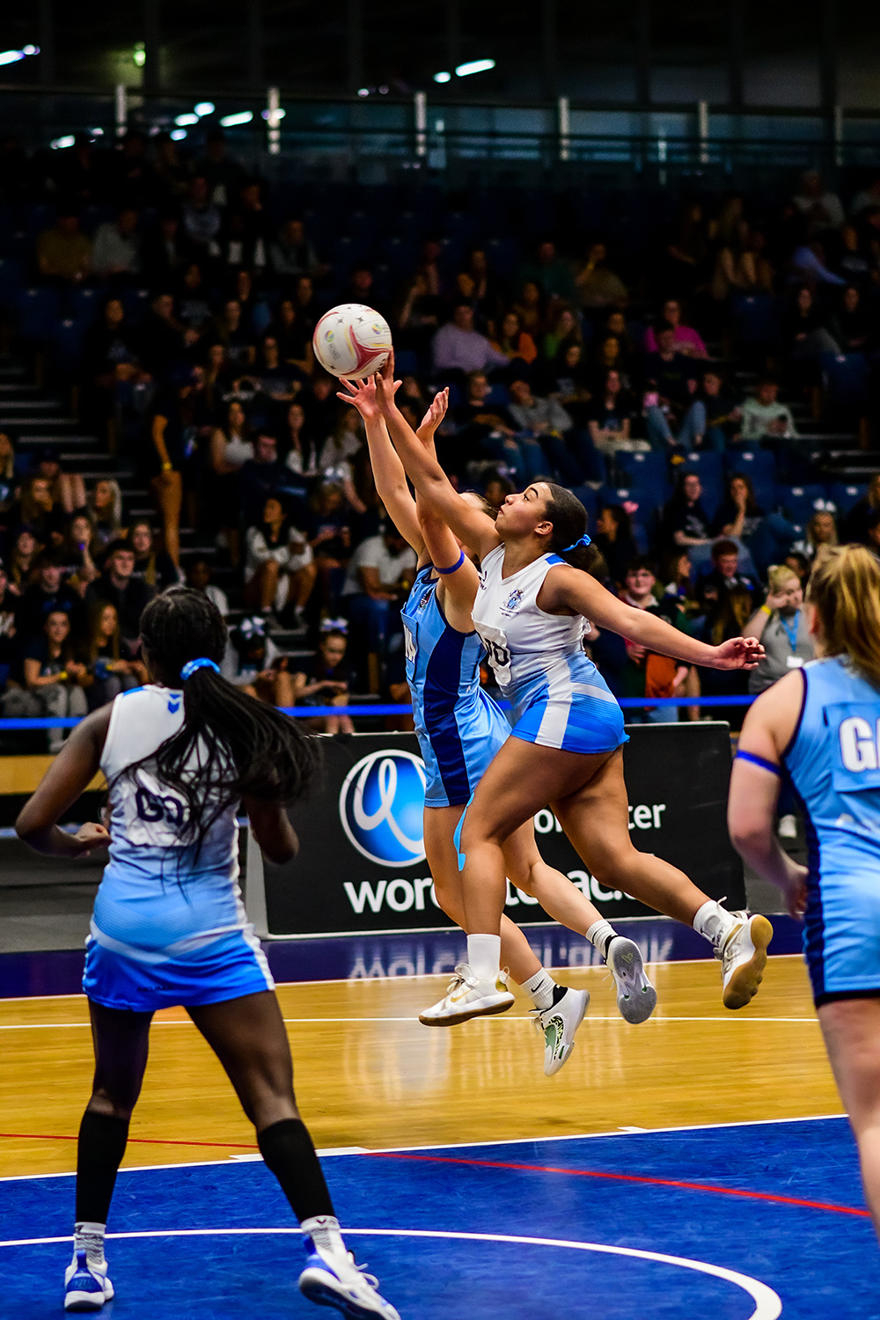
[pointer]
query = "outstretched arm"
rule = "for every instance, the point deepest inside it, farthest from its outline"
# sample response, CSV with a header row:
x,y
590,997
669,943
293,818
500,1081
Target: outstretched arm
x,y
474,527
567,587
388,470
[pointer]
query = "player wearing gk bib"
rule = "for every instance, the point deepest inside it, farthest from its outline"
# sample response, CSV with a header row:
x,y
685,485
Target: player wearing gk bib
x,y
819,728
568,732
459,730
180,755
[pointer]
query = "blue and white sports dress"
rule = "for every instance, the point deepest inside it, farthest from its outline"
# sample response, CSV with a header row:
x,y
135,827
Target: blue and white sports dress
x,y
559,698
833,764
168,926
459,727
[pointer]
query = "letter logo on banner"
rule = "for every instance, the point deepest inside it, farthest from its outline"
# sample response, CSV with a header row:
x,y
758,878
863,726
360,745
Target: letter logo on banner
x,y
381,804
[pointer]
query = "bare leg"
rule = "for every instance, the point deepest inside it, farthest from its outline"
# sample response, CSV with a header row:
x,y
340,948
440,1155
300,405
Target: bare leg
x,y
559,898
851,1028
440,823
168,490
247,1035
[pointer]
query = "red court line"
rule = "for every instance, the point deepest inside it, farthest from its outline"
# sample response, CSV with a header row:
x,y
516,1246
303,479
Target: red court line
x,y
630,1178
142,1141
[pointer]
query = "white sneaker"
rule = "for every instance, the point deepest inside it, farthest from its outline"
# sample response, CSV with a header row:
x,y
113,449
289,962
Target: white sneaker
x,y
335,1280
787,827
559,1022
468,997
743,957
85,1287
636,997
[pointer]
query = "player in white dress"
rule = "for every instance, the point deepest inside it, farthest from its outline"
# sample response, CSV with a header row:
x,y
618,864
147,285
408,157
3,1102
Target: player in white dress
x,y
566,743
169,927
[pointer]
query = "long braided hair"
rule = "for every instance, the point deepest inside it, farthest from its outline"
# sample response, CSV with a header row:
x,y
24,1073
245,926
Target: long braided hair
x,y
230,746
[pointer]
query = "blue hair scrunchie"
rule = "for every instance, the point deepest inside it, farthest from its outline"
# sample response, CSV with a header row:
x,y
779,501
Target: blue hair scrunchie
x,y
202,663
583,540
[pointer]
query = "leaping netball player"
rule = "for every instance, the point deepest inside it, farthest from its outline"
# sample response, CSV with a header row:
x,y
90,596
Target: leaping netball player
x,y
567,737
179,755
818,728
460,729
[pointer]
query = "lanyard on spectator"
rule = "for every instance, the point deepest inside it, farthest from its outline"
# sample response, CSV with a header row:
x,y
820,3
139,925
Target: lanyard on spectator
x,y
791,631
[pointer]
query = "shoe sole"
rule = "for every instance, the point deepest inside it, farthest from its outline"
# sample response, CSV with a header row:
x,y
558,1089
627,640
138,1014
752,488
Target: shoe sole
x,y
636,997
315,1290
558,1063
85,1301
743,984
484,1008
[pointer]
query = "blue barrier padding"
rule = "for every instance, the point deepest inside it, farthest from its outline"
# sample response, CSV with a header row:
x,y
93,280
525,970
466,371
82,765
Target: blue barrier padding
x,y
309,712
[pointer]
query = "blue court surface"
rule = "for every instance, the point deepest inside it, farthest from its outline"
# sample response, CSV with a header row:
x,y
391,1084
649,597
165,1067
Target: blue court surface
x,y
735,1222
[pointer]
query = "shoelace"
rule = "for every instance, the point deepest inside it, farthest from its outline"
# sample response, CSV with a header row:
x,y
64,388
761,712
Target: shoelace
x,y
370,1279
725,952
461,976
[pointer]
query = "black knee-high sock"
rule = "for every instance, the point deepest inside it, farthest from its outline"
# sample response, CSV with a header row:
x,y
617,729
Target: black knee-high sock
x,y
288,1151
100,1149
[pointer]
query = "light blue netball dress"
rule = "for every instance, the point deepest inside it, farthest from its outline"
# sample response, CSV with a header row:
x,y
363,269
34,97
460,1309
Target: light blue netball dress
x,y
459,727
833,764
559,698
169,926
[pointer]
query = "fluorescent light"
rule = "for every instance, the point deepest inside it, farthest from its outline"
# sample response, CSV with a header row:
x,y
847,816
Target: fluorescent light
x,y
274,116
60,143
11,56
183,121
474,66
442,77
30,50
204,108
243,117
139,54
96,132
363,91
177,134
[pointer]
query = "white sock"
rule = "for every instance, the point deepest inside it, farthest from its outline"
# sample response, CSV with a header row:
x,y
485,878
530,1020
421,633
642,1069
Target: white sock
x,y
324,1232
600,934
713,922
484,955
90,1239
540,988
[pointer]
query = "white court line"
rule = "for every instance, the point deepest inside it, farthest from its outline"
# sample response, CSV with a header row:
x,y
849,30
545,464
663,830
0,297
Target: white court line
x,y
421,976
594,1017
468,1145
768,1305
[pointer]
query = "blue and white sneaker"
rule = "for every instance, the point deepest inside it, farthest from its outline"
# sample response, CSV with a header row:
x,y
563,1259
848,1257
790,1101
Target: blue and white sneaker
x,y
85,1287
335,1280
636,997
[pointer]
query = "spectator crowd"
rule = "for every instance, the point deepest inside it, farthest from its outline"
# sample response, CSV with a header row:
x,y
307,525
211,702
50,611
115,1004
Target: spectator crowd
x,y
666,379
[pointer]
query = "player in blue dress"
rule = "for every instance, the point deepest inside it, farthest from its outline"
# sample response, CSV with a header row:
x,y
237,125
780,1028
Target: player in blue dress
x,y
460,728
818,730
565,749
179,756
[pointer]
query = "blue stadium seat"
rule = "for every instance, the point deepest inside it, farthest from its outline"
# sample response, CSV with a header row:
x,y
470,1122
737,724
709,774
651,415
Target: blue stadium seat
x,y
755,319
66,346
589,498
12,280
707,465
799,502
845,383
643,470
759,465
38,311
136,303
406,362
85,303
844,495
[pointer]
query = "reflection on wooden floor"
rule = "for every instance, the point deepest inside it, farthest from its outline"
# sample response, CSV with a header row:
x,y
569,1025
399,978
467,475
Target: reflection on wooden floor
x,y
368,1074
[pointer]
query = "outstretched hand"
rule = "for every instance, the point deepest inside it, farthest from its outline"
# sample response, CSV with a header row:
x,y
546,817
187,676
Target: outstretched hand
x,y
361,394
434,416
738,653
386,386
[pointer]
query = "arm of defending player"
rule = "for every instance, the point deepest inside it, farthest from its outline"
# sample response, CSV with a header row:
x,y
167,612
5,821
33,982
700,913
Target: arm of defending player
x,y
272,830
754,788
567,586
67,778
474,527
387,468
458,575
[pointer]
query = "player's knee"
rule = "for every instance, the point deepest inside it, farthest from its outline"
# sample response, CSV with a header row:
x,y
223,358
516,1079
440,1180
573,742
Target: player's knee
x,y
112,1103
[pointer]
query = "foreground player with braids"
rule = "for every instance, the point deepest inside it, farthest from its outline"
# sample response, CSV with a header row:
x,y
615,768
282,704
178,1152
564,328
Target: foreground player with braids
x,y
566,745
179,756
